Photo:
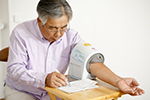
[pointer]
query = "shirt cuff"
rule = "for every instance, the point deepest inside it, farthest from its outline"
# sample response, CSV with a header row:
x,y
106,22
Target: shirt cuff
x,y
41,79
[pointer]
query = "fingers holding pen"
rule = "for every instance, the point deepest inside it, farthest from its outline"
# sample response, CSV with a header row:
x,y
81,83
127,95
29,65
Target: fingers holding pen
x,y
55,79
61,79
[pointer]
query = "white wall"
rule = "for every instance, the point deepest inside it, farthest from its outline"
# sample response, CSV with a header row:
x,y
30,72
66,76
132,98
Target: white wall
x,y
21,10
4,35
124,28
119,28
84,18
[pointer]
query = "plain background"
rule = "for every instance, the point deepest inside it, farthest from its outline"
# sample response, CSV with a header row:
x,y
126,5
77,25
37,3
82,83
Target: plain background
x,y
120,29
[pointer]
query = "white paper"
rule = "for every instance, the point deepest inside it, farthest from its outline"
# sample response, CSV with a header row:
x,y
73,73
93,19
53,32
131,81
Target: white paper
x,y
79,85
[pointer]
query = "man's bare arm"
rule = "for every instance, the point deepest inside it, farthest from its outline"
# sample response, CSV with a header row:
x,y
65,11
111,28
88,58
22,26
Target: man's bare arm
x,y
126,85
104,73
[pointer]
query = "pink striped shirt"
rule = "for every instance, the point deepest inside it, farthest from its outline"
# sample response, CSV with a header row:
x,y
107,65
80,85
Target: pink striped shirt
x,y
32,57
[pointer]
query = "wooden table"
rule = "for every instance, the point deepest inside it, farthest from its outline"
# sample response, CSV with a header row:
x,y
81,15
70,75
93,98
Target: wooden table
x,y
103,92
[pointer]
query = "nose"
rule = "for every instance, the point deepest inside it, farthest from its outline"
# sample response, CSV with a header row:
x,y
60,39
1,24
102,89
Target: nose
x,y
58,33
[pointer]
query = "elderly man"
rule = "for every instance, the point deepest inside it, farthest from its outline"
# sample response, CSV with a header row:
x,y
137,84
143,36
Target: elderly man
x,y
40,46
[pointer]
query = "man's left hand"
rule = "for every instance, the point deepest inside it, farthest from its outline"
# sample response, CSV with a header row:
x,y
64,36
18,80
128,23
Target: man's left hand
x,y
130,86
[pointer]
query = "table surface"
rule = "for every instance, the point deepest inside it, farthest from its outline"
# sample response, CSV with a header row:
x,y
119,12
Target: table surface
x,y
104,91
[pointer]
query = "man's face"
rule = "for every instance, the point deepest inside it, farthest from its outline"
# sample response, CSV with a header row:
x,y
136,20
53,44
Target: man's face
x,y
54,28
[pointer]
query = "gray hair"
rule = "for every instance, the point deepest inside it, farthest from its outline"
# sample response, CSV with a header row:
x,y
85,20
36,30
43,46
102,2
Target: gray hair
x,y
53,9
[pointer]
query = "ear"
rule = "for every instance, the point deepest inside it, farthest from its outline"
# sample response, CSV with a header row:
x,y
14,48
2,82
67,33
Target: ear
x,y
39,22
38,19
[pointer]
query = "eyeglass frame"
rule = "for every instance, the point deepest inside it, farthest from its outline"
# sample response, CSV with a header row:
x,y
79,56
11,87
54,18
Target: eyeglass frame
x,y
56,30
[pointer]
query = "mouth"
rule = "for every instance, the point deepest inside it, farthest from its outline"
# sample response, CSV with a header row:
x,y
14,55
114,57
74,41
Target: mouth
x,y
54,39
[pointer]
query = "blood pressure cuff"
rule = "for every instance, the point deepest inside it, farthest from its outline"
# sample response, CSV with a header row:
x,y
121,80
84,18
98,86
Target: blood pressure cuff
x,y
94,59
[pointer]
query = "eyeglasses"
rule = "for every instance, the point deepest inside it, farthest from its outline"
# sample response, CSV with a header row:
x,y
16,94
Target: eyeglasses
x,y
53,31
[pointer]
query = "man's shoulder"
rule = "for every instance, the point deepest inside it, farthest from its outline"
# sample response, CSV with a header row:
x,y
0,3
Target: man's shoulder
x,y
72,36
24,27
71,33
25,24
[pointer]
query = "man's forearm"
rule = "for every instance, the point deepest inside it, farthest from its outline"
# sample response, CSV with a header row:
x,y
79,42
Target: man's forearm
x,y
104,73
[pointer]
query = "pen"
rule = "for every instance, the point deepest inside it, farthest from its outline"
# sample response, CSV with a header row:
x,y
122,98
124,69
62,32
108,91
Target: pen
x,y
68,83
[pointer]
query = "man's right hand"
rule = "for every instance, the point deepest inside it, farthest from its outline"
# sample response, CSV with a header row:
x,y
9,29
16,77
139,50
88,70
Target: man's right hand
x,y
55,79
